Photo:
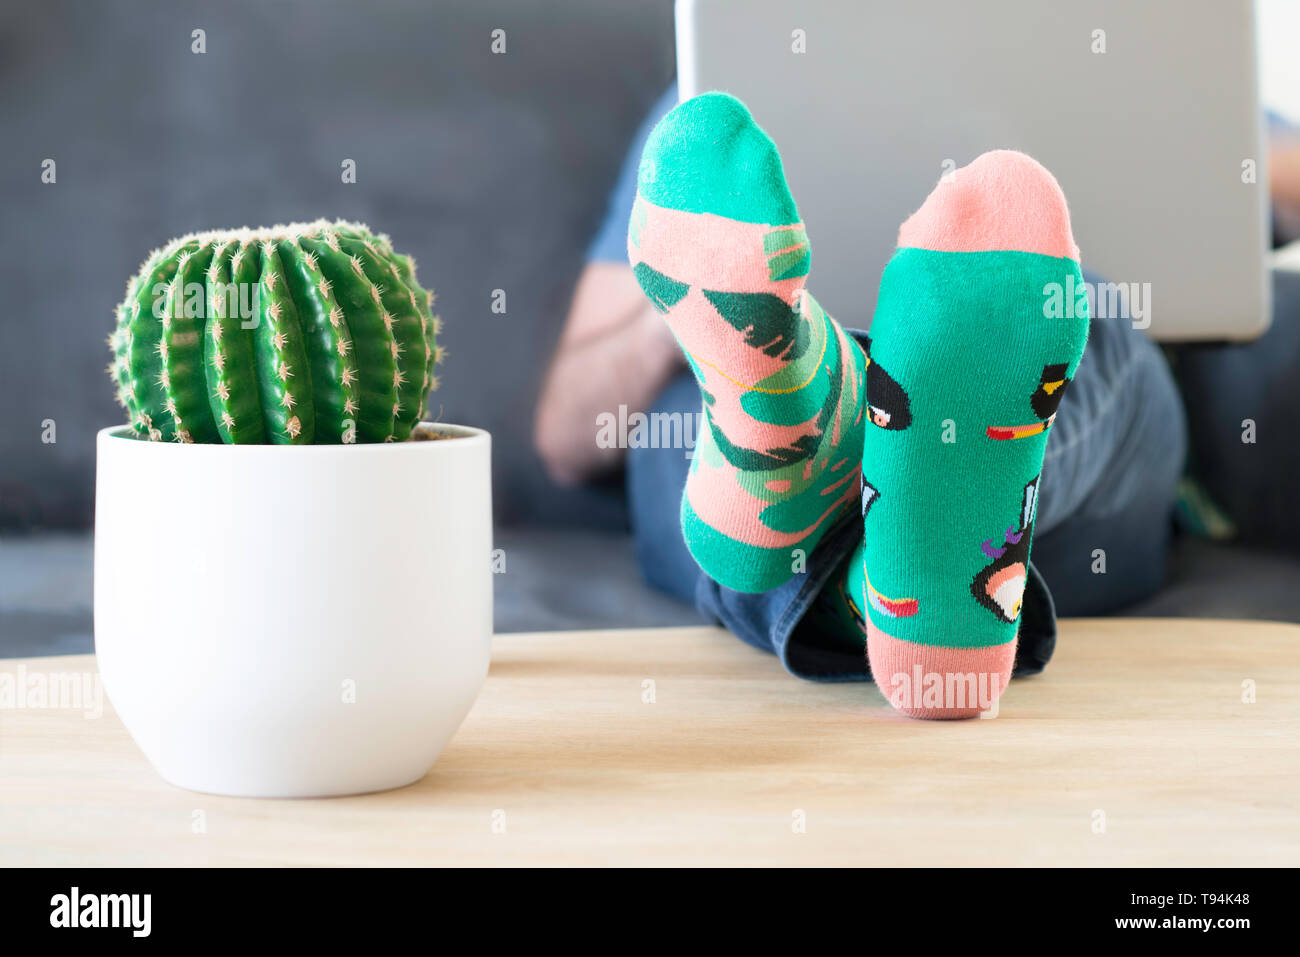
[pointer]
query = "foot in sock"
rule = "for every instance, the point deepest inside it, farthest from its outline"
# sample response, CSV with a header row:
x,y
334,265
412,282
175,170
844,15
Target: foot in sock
x,y
717,246
966,326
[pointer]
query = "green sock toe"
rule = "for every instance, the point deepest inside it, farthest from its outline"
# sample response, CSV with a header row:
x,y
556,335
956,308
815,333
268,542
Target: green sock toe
x,y
715,159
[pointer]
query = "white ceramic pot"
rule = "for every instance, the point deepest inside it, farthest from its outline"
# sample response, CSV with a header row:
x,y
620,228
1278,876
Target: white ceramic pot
x,y
278,621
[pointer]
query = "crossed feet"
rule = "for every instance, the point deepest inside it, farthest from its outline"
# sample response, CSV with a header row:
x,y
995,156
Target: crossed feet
x,y
934,427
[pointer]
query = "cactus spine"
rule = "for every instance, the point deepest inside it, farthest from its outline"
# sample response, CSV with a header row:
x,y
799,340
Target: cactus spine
x,y
307,333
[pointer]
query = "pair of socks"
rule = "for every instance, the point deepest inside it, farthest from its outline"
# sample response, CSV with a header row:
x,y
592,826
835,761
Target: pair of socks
x,y
935,431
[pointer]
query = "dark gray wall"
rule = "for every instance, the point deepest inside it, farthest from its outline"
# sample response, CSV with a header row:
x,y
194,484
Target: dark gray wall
x,y
490,169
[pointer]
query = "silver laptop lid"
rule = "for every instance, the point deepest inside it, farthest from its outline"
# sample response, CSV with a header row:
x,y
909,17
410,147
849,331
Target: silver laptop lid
x,y
1147,113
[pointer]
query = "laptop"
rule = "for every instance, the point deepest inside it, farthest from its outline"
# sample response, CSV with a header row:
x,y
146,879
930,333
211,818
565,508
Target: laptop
x,y
1147,113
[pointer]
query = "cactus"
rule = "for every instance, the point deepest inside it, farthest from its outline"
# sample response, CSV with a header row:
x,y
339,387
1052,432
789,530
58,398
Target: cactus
x,y
307,333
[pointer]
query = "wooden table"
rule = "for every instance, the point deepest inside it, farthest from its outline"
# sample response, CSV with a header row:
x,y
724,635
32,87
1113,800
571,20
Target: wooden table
x,y
684,746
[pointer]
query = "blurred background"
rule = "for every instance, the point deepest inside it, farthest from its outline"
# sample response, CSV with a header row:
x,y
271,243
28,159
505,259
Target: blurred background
x,y
491,170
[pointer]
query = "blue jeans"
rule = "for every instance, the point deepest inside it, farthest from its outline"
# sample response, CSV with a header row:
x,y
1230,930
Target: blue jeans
x,y
1101,534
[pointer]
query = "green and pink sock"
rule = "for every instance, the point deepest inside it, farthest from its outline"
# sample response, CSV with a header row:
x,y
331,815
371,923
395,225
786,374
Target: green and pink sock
x,y
716,243
963,328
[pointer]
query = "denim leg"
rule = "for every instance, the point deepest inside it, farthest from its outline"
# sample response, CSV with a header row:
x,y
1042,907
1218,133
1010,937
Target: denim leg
x,y
1243,437
655,479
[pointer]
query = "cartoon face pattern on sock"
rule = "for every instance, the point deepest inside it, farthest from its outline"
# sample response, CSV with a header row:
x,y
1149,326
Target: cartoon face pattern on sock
x,y
1043,402
889,607
1051,389
883,604
887,404
1000,587
869,496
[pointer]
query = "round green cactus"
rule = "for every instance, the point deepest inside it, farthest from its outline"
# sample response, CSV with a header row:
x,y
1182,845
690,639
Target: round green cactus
x,y
307,333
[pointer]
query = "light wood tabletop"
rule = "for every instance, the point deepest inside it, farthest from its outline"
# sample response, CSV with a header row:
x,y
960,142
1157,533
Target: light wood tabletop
x,y
1146,742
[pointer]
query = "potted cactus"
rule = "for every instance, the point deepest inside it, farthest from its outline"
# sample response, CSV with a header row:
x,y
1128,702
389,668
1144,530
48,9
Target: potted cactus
x,y
292,591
